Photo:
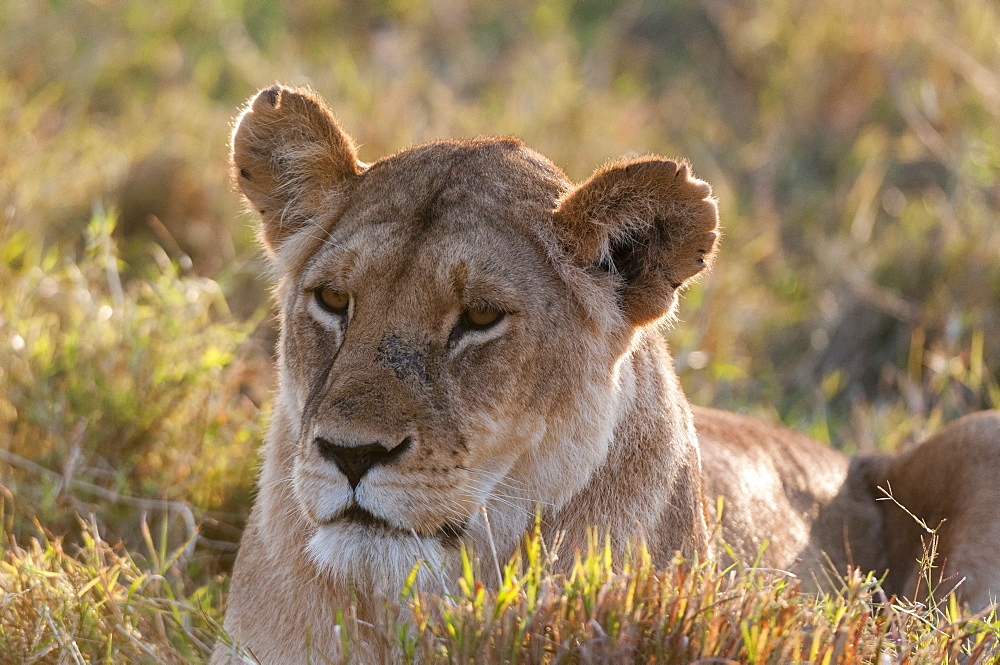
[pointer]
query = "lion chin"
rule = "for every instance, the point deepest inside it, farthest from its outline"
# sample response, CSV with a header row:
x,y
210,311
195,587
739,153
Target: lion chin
x,y
375,559
470,341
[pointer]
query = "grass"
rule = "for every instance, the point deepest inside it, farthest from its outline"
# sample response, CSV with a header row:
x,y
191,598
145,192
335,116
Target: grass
x,y
853,148
102,605
123,397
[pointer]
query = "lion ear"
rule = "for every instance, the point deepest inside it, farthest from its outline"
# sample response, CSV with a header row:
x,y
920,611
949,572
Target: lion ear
x,y
291,159
649,222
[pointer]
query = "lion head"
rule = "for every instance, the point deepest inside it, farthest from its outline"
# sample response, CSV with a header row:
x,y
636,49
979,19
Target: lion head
x,y
455,321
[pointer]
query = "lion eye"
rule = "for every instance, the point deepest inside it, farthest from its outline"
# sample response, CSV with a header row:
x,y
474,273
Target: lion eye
x,y
480,319
333,301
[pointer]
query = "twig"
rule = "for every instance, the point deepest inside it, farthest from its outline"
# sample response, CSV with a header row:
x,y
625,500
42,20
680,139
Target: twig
x,y
889,497
179,507
75,446
493,547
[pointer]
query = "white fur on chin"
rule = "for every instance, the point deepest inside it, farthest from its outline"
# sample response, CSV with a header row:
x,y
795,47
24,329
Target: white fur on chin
x,y
376,561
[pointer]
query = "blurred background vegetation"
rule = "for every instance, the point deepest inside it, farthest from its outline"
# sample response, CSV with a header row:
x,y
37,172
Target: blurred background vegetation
x,y
854,146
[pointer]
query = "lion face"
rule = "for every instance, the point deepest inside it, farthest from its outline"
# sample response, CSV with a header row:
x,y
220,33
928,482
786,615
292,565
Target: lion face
x,y
421,340
426,368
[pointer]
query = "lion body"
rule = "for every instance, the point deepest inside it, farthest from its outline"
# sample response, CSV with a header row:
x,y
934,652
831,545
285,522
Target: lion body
x,y
806,513
467,334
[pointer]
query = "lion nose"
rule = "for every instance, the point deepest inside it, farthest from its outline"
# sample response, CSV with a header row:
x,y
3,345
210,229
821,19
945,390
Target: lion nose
x,y
355,461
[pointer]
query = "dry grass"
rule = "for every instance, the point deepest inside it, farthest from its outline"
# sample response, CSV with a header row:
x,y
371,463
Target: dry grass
x,y
101,605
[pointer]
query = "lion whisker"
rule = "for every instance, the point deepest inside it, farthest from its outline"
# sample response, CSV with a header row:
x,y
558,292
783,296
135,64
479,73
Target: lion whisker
x,y
494,498
288,479
496,476
492,489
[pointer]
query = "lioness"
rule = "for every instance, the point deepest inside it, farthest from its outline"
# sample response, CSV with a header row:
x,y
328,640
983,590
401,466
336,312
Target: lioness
x,y
462,326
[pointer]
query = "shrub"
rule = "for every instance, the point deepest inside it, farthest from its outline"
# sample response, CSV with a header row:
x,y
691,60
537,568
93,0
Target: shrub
x,y
123,398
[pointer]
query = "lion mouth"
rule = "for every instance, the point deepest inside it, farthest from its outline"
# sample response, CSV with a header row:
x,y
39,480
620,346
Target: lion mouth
x,y
448,533
356,514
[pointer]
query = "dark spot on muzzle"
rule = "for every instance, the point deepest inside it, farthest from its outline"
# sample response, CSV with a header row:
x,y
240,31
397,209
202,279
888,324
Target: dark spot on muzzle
x,y
402,358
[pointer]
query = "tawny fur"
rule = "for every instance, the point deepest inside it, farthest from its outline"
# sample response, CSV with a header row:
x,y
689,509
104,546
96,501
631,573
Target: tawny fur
x,y
568,403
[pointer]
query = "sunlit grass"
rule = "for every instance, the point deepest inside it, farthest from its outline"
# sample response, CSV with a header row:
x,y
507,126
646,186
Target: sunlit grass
x,y
119,398
101,605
